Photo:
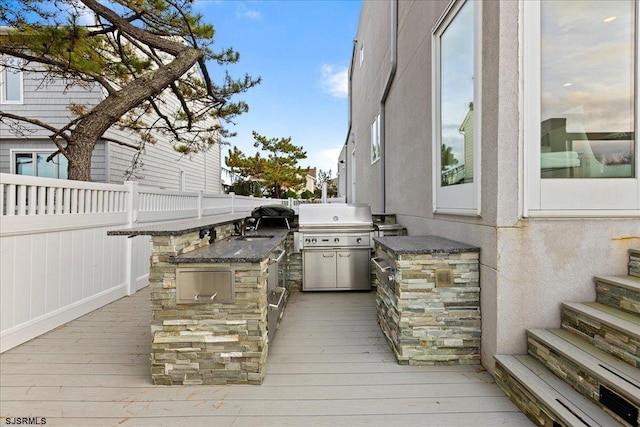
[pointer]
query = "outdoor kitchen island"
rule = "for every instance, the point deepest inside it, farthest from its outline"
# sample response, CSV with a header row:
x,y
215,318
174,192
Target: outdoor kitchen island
x,y
210,299
428,299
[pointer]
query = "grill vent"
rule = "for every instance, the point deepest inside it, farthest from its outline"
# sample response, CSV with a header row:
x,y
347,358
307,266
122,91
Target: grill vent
x,y
619,406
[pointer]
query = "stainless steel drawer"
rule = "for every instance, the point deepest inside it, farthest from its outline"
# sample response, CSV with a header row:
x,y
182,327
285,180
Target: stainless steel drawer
x,y
205,285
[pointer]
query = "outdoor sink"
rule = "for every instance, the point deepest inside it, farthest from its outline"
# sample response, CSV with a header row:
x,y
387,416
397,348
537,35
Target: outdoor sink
x,y
254,238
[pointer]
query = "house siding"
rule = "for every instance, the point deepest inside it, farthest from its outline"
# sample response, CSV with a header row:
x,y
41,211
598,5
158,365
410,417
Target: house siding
x,y
527,265
50,103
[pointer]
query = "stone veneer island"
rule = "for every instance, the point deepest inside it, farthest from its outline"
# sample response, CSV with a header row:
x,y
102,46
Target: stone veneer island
x,y
208,341
430,309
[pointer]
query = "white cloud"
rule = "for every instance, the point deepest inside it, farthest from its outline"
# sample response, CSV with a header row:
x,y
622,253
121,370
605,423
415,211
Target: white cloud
x,y
327,159
335,81
244,12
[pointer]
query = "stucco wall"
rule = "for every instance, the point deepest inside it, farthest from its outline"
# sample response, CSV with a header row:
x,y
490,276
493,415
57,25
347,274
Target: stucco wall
x,y
528,266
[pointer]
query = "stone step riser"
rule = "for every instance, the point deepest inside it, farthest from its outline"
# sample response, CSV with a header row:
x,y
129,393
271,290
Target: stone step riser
x,y
634,262
605,337
545,399
579,378
619,297
537,410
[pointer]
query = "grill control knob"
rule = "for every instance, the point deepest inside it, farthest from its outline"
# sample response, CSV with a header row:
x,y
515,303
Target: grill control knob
x,y
314,240
336,240
307,240
359,240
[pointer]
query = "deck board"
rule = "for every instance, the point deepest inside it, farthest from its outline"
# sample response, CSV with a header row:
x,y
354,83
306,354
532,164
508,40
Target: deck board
x,y
328,365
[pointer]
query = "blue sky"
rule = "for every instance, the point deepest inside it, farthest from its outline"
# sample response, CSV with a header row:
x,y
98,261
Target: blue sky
x,y
301,49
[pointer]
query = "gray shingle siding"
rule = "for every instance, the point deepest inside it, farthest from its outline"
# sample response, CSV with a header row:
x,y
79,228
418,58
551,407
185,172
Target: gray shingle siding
x,y
50,103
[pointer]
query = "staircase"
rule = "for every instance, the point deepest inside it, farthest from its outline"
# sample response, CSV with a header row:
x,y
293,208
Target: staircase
x,y
588,372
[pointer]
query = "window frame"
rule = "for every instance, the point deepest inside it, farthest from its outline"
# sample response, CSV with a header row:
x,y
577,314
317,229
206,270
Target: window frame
x,y
375,139
567,197
459,199
3,85
34,155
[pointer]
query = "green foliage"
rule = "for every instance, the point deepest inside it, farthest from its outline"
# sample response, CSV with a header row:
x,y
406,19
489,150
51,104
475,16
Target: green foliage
x,y
447,157
306,195
277,173
325,177
139,52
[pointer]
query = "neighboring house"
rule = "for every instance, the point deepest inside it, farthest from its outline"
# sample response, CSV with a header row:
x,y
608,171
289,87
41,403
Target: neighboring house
x,y
549,210
311,180
49,101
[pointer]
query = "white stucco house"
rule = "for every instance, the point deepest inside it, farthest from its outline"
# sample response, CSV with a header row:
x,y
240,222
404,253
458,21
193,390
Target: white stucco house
x,y
25,152
548,153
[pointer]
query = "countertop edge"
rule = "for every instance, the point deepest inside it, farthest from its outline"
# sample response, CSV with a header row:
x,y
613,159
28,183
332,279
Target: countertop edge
x,y
174,228
428,244
215,254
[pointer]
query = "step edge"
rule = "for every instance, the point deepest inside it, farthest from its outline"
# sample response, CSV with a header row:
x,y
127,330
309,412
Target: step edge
x,y
623,387
549,395
612,362
616,322
628,282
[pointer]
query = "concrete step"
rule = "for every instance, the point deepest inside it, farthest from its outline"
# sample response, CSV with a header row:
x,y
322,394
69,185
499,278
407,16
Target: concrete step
x,y
614,331
608,382
634,262
545,398
621,292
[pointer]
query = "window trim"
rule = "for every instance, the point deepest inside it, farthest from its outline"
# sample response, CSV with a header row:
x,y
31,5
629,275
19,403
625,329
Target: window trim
x,y
461,199
3,87
566,197
34,152
375,139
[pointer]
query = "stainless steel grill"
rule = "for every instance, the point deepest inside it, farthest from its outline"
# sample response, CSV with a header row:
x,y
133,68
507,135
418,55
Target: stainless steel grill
x,y
336,242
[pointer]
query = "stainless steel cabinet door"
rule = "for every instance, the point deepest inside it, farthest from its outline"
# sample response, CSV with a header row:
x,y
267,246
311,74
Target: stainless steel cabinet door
x,y
353,269
319,270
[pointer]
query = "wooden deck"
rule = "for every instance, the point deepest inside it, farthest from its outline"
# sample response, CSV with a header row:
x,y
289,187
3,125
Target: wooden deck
x,y
329,365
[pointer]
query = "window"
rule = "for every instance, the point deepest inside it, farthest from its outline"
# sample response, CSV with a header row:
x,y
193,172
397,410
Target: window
x,y
35,164
456,86
10,81
375,139
581,106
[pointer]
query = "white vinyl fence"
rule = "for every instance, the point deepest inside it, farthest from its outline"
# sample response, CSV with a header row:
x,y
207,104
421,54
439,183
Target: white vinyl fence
x,y
57,262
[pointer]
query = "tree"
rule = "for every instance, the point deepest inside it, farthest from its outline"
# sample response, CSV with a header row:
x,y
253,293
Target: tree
x,y
277,173
447,157
325,177
139,52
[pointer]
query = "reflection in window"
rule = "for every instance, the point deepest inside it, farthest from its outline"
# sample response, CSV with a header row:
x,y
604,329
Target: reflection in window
x,y
375,139
35,164
587,89
456,100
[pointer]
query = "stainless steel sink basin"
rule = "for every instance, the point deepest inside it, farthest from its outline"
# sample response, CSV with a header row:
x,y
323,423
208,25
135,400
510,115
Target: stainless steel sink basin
x,y
254,238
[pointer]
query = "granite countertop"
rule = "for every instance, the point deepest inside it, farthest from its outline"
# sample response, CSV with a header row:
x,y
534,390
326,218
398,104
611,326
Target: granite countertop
x,y
423,245
174,228
252,247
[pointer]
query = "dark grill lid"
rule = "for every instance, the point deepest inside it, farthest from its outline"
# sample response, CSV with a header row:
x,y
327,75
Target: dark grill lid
x,y
278,211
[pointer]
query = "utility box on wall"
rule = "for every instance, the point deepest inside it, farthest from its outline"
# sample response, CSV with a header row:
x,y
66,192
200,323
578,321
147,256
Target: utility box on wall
x,y
205,285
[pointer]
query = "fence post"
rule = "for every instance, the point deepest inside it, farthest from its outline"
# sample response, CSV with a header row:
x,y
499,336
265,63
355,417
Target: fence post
x,y
233,201
133,201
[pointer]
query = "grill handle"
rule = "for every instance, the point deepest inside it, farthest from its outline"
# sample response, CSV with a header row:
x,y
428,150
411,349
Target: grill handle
x,y
282,292
381,268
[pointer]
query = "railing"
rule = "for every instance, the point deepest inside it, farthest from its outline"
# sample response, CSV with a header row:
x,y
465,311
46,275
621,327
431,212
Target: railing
x,y
57,261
